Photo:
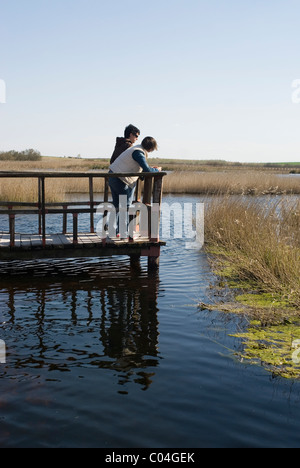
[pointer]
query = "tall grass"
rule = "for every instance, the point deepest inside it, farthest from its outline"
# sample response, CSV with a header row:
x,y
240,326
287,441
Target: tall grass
x,y
26,190
234,183
258,242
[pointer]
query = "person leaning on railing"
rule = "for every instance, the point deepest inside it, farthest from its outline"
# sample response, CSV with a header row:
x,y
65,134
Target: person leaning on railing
x,y
131,135
132,160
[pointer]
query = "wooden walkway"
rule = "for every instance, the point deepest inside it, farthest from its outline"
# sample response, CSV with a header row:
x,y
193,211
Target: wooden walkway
x,y
22,246
29,246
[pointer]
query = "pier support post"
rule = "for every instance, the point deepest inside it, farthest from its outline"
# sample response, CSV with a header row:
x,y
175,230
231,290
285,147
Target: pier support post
x,y
153,255
153,263
135,261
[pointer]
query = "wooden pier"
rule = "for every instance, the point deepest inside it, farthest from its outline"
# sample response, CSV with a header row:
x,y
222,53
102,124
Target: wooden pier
x,y
142,241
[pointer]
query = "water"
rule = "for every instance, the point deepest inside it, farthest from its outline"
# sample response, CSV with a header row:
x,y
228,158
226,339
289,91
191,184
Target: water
x,y
100,354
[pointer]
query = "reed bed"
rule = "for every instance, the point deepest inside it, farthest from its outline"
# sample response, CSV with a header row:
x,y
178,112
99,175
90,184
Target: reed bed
x,y
55,164
234,183
26,190
226,179
258,244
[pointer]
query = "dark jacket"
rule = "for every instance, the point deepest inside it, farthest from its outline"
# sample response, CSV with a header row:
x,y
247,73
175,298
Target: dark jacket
x,y
122,144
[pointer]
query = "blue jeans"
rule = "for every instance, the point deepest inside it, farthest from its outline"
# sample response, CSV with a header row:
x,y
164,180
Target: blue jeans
x,y
118,188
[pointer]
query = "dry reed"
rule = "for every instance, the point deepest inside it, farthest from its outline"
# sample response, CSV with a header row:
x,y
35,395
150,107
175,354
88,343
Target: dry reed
x,y
26,190
234,183
259,243
241,181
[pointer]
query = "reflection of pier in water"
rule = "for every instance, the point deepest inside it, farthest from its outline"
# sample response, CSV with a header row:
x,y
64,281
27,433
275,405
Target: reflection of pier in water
x,y
81,314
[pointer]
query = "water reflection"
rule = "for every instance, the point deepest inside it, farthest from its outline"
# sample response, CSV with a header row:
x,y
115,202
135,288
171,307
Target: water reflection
x,y
63,316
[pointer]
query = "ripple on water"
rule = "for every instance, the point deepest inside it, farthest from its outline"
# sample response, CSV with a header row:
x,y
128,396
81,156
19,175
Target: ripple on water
x,y
100,354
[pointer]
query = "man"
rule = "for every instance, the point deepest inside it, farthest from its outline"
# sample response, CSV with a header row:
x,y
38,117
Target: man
x,y
131,135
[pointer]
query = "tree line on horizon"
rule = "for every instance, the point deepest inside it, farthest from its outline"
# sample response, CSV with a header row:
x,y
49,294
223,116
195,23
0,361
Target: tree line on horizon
x,y
26,155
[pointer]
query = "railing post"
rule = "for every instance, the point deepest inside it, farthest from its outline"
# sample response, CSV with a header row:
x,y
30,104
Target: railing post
x,y
147,190
91,190
12,219
65,219
156,207
138,190
75,228
132,226
105,200
106,188
147,200
157,189
138,198
42,203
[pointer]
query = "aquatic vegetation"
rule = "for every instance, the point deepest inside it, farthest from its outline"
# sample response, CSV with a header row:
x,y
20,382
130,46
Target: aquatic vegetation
x,y
263,300
256,246
255,253
276,347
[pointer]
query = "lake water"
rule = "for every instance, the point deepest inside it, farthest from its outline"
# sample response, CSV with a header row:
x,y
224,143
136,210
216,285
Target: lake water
x,y
103,355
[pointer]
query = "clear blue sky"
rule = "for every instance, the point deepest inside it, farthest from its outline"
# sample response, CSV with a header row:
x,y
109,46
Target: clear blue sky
x,y
209,79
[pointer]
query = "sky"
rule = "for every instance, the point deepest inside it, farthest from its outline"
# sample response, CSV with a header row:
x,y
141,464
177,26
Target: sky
x,y
208,79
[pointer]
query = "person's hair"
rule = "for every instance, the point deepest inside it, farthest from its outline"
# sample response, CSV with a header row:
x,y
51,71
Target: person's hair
x,y
131,129
149,144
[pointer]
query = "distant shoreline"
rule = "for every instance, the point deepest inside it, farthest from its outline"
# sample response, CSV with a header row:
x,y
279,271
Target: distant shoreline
x,y
186,177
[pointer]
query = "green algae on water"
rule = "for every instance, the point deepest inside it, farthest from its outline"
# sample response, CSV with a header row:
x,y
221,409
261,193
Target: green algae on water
x,y
275,347
263,300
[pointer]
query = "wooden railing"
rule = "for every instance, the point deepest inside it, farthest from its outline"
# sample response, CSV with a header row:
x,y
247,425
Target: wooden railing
x,y
148,191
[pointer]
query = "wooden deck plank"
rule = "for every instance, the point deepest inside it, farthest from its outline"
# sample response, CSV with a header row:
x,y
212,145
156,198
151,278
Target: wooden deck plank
x,y
36,240
18,241
30,246
25,242
91,237
86,239
5,240
89,241
63,240
54,240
